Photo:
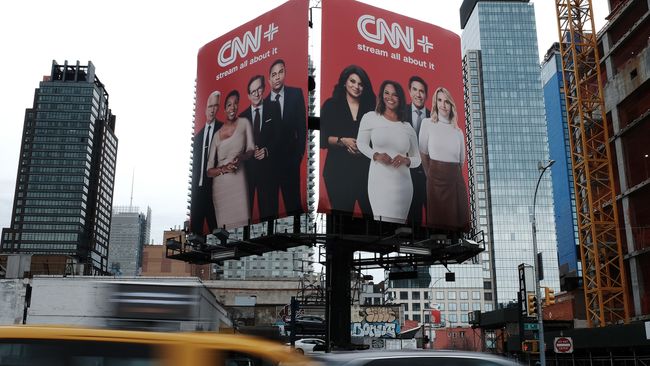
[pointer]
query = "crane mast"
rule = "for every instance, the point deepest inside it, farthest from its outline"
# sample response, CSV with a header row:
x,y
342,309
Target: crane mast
x,y
603,270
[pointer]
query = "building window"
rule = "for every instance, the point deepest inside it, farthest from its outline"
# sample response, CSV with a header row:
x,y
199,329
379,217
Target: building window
x,y
416,306
415,295
476,295
452,295
464,295
440,295
403,295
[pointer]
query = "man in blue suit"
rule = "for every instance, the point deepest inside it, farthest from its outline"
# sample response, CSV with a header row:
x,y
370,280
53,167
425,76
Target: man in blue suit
x,y
416,112
292,135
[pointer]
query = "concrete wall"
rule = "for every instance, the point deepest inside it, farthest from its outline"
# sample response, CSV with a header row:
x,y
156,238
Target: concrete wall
x,y
268,292
69,300
12,301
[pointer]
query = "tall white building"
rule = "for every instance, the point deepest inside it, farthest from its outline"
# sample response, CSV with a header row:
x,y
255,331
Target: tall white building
x,y
130,231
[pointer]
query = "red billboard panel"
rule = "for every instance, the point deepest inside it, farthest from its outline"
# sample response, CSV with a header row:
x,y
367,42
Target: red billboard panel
x,y
435,316
392,120
249,161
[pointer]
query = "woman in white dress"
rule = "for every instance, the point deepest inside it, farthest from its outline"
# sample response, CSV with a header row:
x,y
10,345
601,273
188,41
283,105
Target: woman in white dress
x,y
392,147
231,145
442,145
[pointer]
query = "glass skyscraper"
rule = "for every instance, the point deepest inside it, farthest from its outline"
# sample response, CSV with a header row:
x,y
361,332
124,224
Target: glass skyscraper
x,y
564,201
66,170
507,130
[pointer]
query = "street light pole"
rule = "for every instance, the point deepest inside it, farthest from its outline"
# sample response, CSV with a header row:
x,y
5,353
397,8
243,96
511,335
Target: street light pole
x,y
423,317
542,167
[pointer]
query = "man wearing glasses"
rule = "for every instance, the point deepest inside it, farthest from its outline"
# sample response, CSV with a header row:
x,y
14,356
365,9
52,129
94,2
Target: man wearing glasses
x,y
264,118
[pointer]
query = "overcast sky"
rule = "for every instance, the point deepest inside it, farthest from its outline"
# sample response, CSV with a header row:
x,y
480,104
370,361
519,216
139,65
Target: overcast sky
x,y
145,54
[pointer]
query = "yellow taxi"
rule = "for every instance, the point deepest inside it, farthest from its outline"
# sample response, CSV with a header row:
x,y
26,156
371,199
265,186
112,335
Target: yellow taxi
x,y
67,346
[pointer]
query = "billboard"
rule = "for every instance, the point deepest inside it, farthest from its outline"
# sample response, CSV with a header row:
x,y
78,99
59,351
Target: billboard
x,y
250,133
392,120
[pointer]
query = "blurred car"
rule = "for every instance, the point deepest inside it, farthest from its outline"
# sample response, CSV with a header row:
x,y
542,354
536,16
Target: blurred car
x,y
63,346
307,325
414,358
310,345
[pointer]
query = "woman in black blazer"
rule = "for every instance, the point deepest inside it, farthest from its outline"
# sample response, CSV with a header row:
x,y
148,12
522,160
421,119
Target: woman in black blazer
x,y
346,168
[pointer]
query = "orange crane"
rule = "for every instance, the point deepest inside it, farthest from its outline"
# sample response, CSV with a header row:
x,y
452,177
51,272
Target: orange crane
x,y
603,270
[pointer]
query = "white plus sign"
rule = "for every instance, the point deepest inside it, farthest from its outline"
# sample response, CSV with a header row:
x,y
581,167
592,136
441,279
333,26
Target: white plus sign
x,y
269,34
425,44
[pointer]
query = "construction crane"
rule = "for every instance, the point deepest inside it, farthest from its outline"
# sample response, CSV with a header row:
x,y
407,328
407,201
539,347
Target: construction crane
x,y
603,270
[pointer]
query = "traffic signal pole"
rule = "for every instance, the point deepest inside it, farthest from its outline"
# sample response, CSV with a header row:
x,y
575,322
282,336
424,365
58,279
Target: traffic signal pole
x,y
538,294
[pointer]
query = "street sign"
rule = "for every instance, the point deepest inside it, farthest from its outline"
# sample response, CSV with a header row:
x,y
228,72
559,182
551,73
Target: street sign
x,y
563,345
531,326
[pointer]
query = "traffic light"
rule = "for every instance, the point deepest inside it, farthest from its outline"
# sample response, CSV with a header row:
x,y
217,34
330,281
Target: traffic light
x,y
531,303
549,296
530,346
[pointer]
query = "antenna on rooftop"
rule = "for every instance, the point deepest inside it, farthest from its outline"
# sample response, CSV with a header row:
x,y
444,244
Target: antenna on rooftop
x,y
132,180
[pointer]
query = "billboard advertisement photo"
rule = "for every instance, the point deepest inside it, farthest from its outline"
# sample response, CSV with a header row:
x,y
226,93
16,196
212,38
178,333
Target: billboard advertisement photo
x,y
392,119
249,161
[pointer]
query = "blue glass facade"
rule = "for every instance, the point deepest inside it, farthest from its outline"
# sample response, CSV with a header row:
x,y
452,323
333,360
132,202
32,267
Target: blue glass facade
x,y
509,136
560,151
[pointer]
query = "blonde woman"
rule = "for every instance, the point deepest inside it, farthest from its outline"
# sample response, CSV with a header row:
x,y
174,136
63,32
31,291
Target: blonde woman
x,y
442,146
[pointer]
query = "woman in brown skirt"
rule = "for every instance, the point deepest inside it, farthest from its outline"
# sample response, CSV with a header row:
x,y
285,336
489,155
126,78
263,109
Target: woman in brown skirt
x,y
442,145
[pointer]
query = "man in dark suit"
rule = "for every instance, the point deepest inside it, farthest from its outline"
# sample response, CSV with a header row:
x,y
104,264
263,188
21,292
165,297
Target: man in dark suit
x,y
264,117
415,113
292,135
201,206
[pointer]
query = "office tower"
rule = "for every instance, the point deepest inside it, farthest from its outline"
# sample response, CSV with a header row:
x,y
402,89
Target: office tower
x,y
507,131
64,188
130,231
566,224
624,64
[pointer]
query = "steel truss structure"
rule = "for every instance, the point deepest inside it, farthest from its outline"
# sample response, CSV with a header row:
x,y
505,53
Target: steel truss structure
x,y
604,278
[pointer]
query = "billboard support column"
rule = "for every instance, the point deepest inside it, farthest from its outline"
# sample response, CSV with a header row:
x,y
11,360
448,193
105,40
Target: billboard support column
x,y
339,265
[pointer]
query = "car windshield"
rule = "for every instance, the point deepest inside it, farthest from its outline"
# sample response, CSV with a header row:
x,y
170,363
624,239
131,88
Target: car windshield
x,y
55,353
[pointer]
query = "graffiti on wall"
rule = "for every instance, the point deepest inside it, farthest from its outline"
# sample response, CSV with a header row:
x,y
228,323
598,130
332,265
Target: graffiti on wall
x,y
375,321
285,313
